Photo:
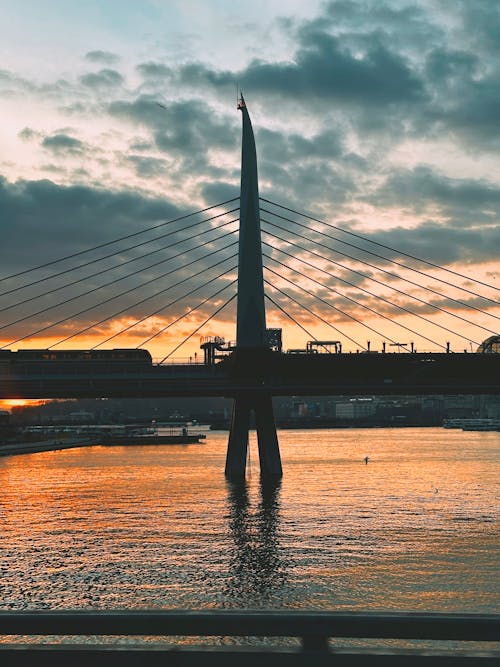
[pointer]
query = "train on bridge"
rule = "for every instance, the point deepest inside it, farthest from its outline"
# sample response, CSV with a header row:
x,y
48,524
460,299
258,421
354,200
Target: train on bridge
x,y
23,362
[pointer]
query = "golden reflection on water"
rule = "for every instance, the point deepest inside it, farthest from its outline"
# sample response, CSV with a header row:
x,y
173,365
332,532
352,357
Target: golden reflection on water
x,y
257,571
160,527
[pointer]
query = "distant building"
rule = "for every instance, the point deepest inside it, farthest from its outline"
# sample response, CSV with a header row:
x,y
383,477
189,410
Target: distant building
x,y
490,407
461,405
355,408
4,417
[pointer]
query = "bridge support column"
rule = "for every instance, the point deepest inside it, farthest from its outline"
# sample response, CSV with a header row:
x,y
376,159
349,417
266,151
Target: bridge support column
x,y
252,346
269,453
237,446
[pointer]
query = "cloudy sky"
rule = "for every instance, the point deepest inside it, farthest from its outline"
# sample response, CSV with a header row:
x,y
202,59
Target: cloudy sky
x,y
379,118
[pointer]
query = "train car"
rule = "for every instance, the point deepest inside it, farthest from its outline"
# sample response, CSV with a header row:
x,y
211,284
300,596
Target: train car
x,y
74,362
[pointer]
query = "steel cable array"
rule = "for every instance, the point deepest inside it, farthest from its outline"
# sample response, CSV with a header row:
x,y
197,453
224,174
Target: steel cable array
x,y
116,280
119,252
388,259
382,245
303,251
123,263
189,312
372,279
319,317
100,259
362,305
299,252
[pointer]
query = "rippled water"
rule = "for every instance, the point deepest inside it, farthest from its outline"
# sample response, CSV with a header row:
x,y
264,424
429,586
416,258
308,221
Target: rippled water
x,y
158,526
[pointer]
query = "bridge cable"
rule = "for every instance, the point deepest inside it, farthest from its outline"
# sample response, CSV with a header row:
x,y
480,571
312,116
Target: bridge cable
x,y
117,252
339,310
123,310
319,317
382,245
357,303
129,261
148,298
374,266
290,316
131,289
362,289
189,312
159,310
198,328
121,238
327,303
386,259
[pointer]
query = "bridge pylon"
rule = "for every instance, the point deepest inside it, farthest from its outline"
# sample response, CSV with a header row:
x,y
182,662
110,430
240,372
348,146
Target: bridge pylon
x,y
251,342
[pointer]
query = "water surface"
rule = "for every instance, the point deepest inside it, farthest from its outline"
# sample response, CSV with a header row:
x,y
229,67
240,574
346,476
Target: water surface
x,y
158,526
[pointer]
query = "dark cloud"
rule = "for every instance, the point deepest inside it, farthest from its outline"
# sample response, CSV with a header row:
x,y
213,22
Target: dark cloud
x,y
28,134
154,70
423,188
465,99
408,28
444,66
218,191
289,148
60,219
473,115
311,181
148,167
323,69
186,130
102,57
444,244
389,69
103,79
63,144
481,21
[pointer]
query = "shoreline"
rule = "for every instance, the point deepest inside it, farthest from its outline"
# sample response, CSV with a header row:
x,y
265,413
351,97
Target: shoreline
x,y
16,448
43,446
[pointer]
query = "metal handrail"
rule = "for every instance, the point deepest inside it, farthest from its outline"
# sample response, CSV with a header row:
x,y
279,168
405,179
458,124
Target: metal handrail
x,y
397,625
314,629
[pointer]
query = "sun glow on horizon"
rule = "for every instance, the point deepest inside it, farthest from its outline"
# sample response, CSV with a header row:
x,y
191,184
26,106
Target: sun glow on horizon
x,y
9,403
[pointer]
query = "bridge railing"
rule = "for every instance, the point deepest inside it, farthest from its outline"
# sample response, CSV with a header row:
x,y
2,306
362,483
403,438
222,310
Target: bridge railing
x,y
313,628
180,361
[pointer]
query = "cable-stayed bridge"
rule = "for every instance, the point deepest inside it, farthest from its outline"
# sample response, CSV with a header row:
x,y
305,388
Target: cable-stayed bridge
x,y
243,252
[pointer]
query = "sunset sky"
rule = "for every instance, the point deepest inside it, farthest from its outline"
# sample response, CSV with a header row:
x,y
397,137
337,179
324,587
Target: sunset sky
x,y
381,118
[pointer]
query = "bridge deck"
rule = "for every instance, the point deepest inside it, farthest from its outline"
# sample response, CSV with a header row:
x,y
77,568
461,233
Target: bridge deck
x,y
276,374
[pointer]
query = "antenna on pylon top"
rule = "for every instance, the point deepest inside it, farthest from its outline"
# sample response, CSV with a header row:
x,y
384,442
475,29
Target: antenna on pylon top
x,y
241,101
